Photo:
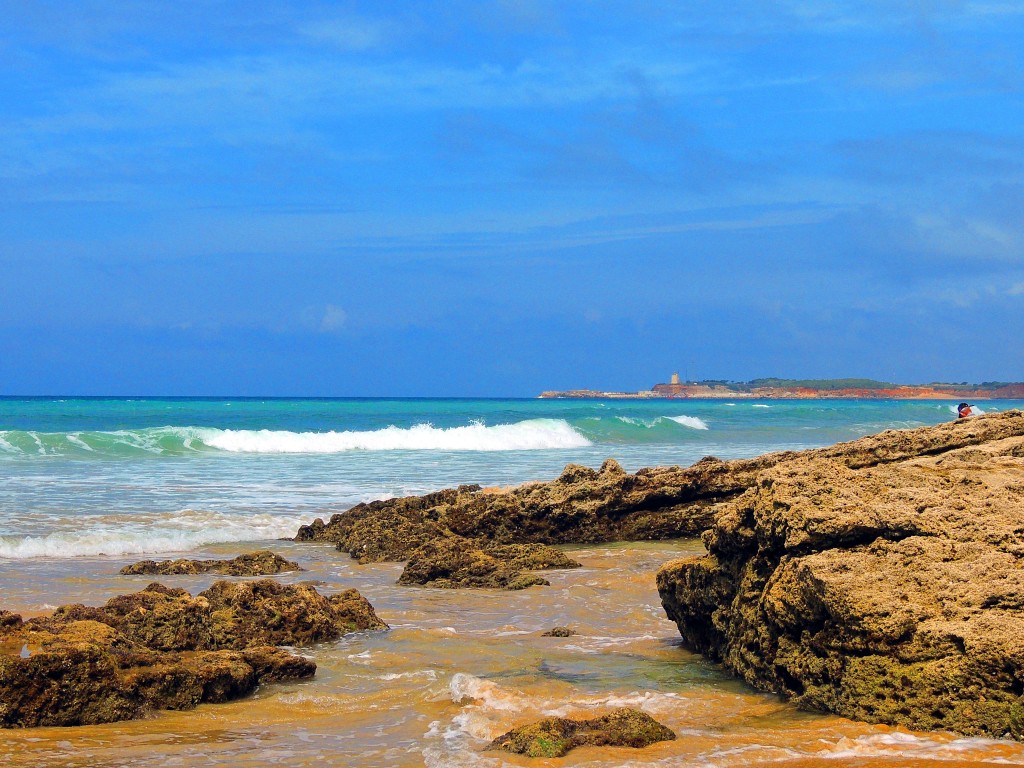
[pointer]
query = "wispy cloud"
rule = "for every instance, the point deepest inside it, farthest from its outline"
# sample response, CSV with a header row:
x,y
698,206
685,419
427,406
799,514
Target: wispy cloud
x,y
333,319
349,33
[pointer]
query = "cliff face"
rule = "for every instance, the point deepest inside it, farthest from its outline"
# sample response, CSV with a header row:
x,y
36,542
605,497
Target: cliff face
x,y
882,579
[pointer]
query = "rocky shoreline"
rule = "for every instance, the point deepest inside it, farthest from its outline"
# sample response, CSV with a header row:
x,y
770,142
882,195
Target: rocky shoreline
x,y
879,579
887,592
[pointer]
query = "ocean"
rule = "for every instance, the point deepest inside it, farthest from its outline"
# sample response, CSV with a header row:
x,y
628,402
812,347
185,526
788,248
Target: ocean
x,y
90,484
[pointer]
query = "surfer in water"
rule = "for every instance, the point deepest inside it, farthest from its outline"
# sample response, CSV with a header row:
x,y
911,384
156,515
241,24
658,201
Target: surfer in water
x,y
963,411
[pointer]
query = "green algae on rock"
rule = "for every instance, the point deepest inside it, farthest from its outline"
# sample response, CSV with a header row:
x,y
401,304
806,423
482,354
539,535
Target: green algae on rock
x,y
261,563
879,579
163,649
559,632
583,505
555,736
454,562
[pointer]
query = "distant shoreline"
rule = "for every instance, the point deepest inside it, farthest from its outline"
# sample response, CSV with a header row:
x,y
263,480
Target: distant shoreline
x,y
823,389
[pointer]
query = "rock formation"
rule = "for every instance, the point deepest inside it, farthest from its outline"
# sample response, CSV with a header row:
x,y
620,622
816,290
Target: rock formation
x,y
581,506
585,506
555,736
880,579
559,632
453,562
261,563
163,649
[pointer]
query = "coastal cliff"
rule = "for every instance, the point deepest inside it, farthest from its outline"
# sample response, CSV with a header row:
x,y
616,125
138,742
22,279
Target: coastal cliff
x,y
880,579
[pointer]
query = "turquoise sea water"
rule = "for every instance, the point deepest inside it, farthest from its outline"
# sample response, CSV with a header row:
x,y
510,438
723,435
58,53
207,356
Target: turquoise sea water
x,y
90,477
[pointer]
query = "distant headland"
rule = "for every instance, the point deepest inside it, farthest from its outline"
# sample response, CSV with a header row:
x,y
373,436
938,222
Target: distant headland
x,y
811,389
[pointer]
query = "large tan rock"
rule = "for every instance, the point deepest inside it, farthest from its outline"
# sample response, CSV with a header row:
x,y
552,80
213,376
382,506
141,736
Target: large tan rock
x,y
164,649
880,579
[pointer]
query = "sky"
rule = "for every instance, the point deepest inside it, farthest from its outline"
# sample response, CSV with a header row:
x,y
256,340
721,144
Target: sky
x,y
494,198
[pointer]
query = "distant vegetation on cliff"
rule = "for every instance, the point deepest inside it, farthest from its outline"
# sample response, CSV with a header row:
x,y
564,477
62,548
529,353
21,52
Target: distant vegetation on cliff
x,y
823,384
827,385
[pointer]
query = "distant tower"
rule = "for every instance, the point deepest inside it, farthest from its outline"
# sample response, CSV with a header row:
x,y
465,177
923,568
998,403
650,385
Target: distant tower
x,y
675,378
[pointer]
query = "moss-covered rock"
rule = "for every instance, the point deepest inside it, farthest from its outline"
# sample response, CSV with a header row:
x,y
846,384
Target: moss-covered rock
x,y
162,648
582,506
261,563
559,632
86,672
454,562
555,736
887,591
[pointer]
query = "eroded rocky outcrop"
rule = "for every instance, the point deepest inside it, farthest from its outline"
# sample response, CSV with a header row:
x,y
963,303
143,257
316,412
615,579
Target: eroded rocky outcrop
x,y
162,648
584,505
453,562
555,736
881,579
261,563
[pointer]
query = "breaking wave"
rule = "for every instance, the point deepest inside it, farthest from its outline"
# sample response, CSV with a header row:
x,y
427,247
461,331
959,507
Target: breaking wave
x,y
529,435
135,534
689,421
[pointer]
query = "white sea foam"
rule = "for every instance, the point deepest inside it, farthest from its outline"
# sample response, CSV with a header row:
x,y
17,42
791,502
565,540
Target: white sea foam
x,y
689,421
533,434
907,745
149,534
528,435
76,440
489,698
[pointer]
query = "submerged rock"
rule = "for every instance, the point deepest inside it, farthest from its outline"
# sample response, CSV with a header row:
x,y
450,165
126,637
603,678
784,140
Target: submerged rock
x,y
163,649
262,563
555,736
454,562
880,579
559,632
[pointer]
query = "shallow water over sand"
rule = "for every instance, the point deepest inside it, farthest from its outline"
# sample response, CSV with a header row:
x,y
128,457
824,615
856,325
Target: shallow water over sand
x,y
458,668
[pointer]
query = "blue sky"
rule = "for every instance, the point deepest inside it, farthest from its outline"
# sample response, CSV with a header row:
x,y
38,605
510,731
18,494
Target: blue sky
x,y
495,198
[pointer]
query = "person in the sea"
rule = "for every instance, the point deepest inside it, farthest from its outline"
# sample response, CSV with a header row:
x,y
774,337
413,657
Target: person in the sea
x,y
963,411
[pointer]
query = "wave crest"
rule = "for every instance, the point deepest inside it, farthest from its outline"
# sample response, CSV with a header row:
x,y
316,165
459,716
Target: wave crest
x,y
118,535
689,421
529,435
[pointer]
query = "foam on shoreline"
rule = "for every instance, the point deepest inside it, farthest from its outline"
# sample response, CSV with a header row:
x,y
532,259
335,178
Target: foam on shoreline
x,y
163,533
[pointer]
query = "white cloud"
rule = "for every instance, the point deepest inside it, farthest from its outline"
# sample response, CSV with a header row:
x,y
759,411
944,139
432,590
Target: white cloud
x,y
348,34
333,319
